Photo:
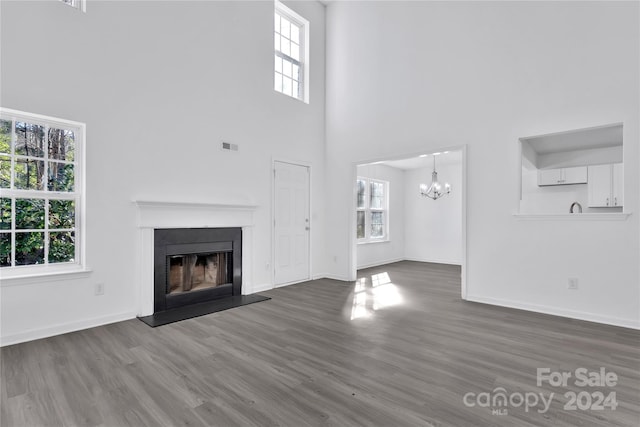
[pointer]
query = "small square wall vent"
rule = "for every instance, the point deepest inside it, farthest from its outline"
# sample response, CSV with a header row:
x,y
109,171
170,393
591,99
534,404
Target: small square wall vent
x,y
229,147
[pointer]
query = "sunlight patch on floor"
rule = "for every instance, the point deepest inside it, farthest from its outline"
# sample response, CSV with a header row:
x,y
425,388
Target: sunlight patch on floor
x,y
380,279
380,294
386,295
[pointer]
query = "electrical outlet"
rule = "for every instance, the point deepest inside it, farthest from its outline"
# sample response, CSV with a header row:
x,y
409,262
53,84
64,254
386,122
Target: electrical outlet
x,y
99,288
573,283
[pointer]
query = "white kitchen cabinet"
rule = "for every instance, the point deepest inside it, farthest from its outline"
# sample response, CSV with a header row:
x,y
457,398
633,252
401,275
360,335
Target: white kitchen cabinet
x,y
549,177
606,186
617,184
562,176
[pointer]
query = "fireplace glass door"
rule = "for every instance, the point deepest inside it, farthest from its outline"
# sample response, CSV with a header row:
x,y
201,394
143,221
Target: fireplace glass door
x,y
193,272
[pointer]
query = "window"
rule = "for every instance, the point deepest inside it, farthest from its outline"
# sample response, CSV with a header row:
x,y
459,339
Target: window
x,y
291,38
78,4
372,210
41,191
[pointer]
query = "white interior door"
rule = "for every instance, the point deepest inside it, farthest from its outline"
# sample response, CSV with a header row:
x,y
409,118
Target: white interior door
x,y
291,223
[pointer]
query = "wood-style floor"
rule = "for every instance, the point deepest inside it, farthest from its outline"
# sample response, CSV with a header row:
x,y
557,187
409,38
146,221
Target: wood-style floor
x,y
398,348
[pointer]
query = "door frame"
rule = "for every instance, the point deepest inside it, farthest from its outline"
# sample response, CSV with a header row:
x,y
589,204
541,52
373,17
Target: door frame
x,y
273,218
353,249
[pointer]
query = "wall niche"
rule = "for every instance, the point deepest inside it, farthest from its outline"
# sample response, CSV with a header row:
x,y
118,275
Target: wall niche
x,y
575,171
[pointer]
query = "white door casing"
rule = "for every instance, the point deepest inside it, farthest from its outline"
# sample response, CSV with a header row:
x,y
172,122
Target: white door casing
x,y
291,223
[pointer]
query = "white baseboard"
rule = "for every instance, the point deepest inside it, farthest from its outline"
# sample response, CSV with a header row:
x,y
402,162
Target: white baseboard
x,y
558,311
64,328
332,277
436,261
295,282
379,263
261,288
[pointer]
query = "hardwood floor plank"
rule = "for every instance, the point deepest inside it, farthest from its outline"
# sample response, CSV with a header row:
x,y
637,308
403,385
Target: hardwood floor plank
x,y
396,348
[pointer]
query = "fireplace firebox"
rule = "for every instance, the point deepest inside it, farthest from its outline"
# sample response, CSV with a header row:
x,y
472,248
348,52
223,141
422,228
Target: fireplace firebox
x,y
194,265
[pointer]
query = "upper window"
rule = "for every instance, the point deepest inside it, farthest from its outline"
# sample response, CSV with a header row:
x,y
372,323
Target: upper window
x,y
78,4
372,210
41,190
291,41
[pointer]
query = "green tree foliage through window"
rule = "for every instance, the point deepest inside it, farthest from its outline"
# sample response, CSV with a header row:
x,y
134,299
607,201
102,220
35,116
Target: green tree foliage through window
x,y
39,202
5,151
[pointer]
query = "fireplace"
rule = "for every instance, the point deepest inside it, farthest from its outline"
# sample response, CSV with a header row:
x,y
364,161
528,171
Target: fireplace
x,y
195,265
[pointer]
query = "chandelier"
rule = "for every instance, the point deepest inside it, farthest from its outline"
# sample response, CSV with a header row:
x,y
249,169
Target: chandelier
x,y
434,191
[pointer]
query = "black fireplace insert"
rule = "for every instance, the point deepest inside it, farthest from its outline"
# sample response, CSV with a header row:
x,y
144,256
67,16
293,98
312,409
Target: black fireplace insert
x,y
195,265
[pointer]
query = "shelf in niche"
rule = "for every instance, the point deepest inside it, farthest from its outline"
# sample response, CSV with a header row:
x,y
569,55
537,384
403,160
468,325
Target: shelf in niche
x,y
604,216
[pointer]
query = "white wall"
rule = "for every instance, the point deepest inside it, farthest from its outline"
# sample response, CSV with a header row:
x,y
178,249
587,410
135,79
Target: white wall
x,y
427,75
433,228
159,85
392,250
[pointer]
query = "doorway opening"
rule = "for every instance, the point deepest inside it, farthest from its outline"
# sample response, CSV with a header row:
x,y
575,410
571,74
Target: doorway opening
x,y
400,214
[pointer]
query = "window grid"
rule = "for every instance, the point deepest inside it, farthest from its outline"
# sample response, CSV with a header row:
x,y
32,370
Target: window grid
x,y
77,4
288,55
43,194
371,210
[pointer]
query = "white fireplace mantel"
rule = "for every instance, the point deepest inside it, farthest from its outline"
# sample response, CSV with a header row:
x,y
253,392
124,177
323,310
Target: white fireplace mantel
x,y
152,214
158,214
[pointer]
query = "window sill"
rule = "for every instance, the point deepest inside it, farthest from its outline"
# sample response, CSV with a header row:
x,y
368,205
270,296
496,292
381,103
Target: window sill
x,y
613,216
17,278
369,242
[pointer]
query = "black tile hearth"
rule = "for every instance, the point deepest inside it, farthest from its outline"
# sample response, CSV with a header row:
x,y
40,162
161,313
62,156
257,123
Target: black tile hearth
x,y
196,310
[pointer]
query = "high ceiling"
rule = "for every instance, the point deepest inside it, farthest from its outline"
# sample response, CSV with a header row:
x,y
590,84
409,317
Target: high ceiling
x,y
447,158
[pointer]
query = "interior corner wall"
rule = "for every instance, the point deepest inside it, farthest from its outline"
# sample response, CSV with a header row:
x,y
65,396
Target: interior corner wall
x,y
159,85
391,250
433,228
406,77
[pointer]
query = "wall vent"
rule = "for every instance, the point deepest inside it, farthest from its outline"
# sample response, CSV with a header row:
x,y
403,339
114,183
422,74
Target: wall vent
x,y
229,147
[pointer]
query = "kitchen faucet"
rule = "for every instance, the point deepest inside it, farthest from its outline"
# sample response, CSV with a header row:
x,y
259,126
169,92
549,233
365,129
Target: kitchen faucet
x,y
573,205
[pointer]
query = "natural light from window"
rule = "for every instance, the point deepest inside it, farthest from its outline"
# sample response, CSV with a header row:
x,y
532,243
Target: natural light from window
x,y
78,4
371,210
41,180
290,33
375,294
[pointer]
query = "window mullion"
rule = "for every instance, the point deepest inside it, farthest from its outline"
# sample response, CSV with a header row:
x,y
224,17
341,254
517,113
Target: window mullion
x,y
13,232
367,206
12,151
35,194
45,178
12,169
288,58
45,189
367,223
77,226
46,230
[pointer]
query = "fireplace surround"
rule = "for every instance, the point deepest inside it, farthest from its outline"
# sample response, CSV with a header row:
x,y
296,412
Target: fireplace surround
x,y
153,215
195,265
